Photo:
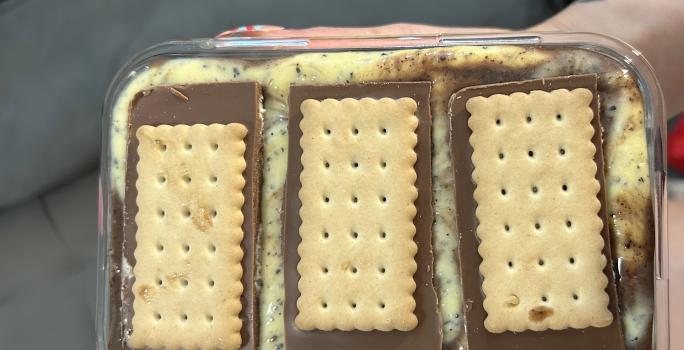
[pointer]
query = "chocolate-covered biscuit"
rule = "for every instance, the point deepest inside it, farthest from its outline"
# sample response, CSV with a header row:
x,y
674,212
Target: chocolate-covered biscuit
x,y
221,103
598,336
427,332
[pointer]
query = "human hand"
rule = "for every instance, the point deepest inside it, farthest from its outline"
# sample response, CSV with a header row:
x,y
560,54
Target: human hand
x,y
653,27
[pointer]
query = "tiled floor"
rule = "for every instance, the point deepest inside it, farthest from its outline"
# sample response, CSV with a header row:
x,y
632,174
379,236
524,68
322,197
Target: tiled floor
x,y
47,270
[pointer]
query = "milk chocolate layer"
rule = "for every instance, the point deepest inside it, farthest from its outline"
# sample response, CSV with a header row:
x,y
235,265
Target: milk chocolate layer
x,y
479,338
222,103
427,335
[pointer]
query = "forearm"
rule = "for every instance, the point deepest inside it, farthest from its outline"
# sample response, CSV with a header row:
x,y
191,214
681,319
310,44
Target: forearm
x,y
654,27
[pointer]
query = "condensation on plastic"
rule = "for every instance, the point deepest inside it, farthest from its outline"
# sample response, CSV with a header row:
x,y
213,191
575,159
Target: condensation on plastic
x,y
242,46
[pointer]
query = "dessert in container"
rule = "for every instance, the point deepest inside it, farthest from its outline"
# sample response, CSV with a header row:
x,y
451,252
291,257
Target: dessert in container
x,y
630,107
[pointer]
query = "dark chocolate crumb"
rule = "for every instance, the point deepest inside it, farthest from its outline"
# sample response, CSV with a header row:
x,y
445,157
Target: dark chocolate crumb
x,y
205,66
641,179
277,271
236,72
299,70
628,244
612,108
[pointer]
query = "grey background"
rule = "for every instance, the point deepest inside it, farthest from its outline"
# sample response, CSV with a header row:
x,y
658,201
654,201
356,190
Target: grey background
x,y
56,61
59,56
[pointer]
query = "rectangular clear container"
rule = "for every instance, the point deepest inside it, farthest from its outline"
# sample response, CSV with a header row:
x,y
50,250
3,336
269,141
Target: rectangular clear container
x,y
632,114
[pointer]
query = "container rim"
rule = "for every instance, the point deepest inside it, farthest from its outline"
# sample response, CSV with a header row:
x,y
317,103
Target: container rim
x,y
631,59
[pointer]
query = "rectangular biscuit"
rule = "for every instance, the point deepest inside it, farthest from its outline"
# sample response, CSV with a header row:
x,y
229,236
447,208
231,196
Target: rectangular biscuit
x,y
529,173
194,153
357,215
536,190
188,256
357,219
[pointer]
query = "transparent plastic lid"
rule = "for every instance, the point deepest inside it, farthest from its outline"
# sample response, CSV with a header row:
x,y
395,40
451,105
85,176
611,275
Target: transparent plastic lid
x,y
630,110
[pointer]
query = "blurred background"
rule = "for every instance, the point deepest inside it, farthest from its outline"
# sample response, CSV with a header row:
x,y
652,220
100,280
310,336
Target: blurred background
x,y
56,61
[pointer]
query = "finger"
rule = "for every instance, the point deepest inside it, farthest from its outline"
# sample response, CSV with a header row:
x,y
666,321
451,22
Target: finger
x,y
395,29
335,37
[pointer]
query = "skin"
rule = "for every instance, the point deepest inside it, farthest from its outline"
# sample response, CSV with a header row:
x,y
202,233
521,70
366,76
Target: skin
x,y
652,27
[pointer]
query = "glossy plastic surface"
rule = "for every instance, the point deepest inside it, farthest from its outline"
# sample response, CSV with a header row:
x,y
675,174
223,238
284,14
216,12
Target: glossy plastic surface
x,y
264,46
